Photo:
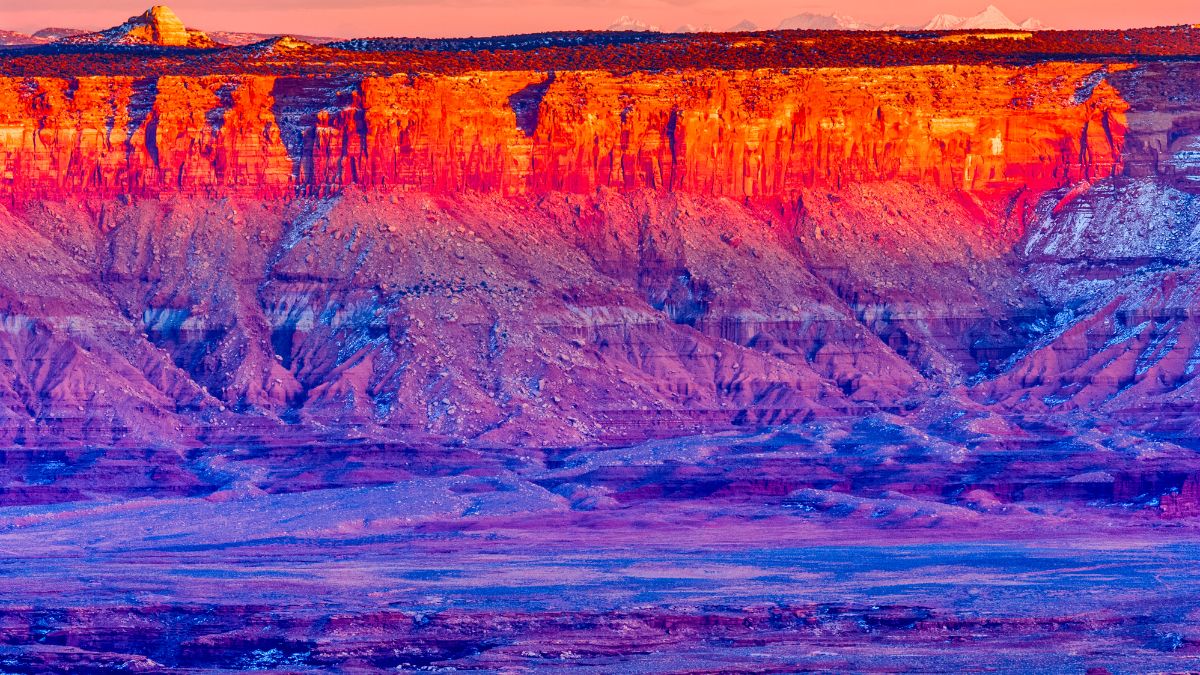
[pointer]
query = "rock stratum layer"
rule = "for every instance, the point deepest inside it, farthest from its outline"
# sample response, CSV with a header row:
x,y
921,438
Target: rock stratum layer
x,y
758,134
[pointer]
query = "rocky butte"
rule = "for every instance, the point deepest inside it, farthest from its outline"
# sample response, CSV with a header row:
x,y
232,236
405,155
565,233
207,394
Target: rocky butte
x,y
156,26
591,294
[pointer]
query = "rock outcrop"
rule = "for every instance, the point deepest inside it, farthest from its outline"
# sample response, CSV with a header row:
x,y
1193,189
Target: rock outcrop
x,y
157,26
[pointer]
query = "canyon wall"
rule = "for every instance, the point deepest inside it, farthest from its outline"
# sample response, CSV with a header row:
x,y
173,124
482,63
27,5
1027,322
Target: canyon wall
x,y
525,257
986,129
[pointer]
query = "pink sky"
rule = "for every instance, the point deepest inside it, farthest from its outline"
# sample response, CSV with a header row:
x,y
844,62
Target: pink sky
x,y
350,18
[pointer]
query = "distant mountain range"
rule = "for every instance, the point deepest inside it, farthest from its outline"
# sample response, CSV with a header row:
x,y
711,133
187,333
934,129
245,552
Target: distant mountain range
x,y
8,37
991,18
630,23
159,25
811,21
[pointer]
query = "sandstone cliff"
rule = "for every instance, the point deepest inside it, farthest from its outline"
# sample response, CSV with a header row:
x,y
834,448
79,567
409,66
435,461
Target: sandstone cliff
x,y
988,129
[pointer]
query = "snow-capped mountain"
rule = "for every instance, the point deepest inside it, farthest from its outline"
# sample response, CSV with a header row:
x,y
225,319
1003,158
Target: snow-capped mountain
x,y
989,19
629,23
743,26
943,22
811,21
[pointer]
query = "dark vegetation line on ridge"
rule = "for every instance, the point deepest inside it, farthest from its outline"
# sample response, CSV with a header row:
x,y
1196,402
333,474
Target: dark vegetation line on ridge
x,y
618,52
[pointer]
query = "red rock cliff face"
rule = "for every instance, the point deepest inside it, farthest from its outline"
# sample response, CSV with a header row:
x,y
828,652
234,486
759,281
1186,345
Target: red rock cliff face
x,y
728,133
